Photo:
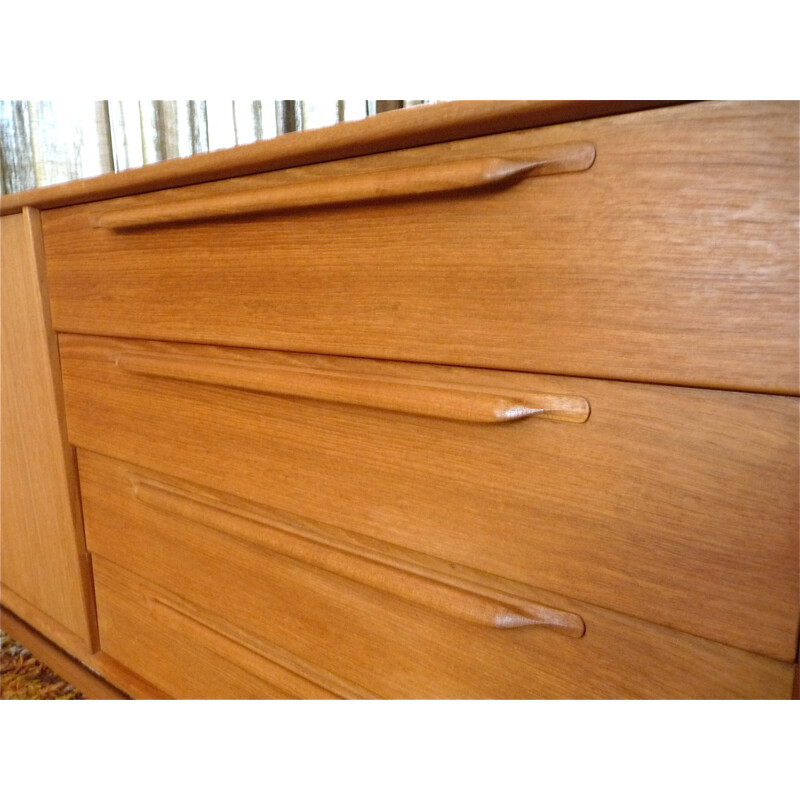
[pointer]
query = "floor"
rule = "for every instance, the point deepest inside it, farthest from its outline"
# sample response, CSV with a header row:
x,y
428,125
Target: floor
x,y
24,677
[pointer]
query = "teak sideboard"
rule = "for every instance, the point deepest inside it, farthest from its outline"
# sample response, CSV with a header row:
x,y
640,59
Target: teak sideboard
x,y
472,400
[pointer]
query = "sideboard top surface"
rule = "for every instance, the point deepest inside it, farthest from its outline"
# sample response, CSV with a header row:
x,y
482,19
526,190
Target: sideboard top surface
x,y
409,127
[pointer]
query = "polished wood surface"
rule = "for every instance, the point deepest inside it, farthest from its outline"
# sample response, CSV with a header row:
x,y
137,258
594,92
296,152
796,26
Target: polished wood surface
x,y
438,592
676,505
388,646
303,520
43,560
407,128
189,657
674,259
108,668
192,672
426,399
299,678
45,624
392,184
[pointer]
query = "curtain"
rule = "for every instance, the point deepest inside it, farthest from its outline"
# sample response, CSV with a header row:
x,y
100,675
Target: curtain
x,y
46,142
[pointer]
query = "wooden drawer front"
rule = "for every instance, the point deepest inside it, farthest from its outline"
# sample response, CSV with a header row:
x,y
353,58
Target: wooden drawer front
x,y
390,638
184,652
673,258
43,561
674,505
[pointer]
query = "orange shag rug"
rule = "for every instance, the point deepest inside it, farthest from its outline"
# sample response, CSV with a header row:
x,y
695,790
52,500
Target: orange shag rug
x,y
23,677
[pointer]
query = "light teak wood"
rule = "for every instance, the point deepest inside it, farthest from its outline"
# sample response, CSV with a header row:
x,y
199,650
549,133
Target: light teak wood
x,y
43,555
409,128
676,505
180,638
194,672
111,670
370,567
333,527
294,677
254,599
427,399
674,259
397,184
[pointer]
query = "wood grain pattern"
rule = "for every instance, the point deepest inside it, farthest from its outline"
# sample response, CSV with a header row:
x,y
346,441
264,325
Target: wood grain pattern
x,y
179,639
44,623
393,648
192,671
282,524
674,259
126,679
445,401
410,127
43,555
108,668
433,591
675,505
295,677
392,184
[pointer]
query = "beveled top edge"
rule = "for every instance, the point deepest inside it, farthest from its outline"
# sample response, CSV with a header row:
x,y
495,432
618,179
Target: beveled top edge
x,y
391,130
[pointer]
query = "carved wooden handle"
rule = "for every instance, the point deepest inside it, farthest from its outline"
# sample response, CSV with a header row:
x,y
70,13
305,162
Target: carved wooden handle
x,y
445,401
370,568
394,184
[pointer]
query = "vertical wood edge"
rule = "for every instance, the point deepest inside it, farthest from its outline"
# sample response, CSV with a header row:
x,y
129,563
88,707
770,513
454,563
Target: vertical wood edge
x,y
59,636
35,241
65,665
54,630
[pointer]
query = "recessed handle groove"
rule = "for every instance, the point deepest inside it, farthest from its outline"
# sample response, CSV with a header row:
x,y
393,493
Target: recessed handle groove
x,y
373,569
441,400
394,184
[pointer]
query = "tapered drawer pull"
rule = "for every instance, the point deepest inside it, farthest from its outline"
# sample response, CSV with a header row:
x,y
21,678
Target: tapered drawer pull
x,y
445,401
395,184
374,569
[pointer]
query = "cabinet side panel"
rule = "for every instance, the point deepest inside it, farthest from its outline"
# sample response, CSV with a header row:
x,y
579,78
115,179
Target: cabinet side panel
x,y
43,557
